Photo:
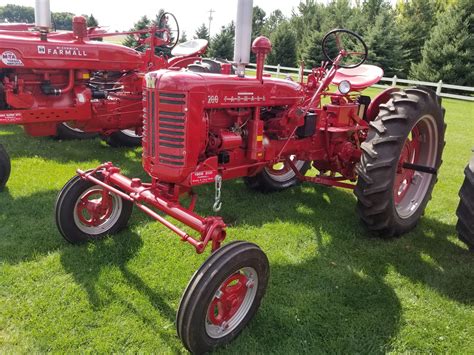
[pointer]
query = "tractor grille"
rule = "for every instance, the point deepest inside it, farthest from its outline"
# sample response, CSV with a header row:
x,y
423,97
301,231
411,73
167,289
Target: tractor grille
x,y
166,127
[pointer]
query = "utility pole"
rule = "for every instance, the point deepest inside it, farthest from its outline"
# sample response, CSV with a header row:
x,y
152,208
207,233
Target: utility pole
x,y
211,11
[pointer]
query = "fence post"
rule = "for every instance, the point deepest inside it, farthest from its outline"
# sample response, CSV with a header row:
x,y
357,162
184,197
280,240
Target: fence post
x,y
439,87
278,71
394,80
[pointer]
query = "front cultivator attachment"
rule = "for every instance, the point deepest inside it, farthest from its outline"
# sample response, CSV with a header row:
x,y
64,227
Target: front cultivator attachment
x,y
224,293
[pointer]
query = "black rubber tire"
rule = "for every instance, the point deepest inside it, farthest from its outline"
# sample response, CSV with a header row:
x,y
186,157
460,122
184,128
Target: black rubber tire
x,y
65,209
5,167
465,210
192,312
66,133
380,157
120,139
266,183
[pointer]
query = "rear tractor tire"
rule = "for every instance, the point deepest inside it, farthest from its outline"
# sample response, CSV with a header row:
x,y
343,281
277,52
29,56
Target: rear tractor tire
x,y
66,131
124,138
465,211
409,129
85,212
222,297
5,167
277,177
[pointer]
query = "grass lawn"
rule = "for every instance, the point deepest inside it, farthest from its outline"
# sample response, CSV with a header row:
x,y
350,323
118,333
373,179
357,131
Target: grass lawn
x,y
333,288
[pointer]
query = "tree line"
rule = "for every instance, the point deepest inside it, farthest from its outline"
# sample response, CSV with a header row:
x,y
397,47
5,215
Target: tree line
x,y
428,40
26,14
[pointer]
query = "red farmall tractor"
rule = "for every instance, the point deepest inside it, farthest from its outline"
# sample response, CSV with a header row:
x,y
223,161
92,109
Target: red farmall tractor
x,y
69,85
202,128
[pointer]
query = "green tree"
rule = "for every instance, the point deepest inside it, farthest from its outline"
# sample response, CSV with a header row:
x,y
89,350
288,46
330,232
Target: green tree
x,y
272,23
92,22
16,13
258,23
383,43
415,20
448,54
283,46
202,32
62,20
183,37
131,40
222,44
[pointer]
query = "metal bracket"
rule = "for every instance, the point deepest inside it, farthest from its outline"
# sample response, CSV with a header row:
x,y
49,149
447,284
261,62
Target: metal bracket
x,y
217,199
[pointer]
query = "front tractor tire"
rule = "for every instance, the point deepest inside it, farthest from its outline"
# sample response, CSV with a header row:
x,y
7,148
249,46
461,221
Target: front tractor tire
x,y
85,212
408,130
277,177
465,211
5,167
222,296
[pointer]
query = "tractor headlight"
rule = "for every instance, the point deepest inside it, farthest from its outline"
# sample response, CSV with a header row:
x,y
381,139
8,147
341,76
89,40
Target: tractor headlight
x,y
344,87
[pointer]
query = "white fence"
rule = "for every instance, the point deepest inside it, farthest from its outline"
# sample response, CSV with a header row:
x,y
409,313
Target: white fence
x,y
277,71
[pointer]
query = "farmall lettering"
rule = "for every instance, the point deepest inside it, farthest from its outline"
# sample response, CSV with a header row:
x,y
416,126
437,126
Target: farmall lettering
x,y
62,51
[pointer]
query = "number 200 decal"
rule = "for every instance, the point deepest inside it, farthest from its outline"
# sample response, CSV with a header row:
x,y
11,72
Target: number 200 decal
x,y
213,99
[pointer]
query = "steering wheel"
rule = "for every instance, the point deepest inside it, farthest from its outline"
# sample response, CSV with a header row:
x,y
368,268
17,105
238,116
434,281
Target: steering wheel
x,y
172,36
353,46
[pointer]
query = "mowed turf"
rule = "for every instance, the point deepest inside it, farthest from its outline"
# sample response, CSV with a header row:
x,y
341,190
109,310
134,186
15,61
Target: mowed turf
x,y
333,287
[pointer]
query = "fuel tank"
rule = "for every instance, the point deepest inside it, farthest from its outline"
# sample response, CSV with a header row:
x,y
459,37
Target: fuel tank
x,y
176,114
60,50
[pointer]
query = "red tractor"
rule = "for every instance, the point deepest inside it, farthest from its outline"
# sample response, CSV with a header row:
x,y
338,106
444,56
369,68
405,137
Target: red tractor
x,y
67,84
202,128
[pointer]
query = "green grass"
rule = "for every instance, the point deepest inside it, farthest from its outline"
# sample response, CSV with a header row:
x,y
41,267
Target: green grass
x,y
333,288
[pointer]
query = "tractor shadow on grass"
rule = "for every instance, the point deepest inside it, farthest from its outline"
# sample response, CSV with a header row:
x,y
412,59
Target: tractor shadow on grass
x,y
30,217
101,269
340,299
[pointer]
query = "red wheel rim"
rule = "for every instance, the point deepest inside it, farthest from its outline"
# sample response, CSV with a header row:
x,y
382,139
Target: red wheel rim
x,y
231,302
94,211
409,154
231,295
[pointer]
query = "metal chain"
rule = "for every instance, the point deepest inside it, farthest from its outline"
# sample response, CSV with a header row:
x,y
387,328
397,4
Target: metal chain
x,y
217,199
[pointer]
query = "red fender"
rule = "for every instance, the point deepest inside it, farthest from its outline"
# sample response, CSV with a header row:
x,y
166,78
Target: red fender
x,y
383,97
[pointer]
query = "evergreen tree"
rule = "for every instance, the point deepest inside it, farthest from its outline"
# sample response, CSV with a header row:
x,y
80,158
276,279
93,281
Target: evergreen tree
x,y
92,22
222,44
202,32
258,23
415,21
284,46
131,40
383,43
183,37
448,54
272,23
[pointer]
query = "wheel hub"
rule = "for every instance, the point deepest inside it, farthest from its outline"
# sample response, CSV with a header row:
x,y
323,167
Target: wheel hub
x,y
231,302
93,212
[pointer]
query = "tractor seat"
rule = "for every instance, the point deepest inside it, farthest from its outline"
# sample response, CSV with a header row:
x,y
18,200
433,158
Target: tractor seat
x,y
361,77
189,48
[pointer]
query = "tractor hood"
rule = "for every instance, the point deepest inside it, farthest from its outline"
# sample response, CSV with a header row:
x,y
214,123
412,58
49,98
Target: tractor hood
x,y
221,91
61,50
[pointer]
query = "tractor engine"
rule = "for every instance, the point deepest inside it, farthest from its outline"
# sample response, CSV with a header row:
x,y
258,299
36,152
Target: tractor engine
x,y
195,122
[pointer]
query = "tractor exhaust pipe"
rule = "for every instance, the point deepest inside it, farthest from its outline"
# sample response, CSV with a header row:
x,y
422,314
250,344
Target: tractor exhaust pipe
x,y
243,35
42,15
